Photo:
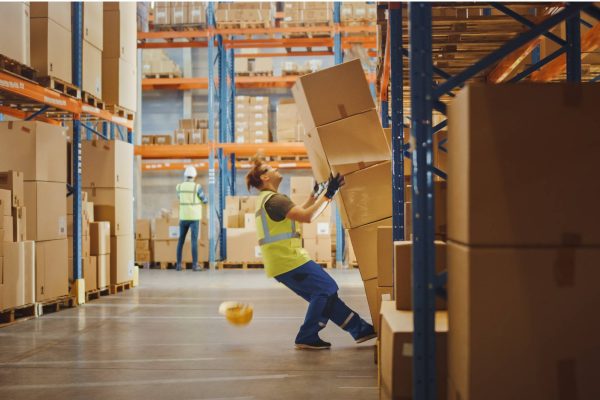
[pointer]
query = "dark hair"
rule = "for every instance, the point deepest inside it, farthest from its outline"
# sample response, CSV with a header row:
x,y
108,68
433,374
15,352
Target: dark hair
x,y
253,176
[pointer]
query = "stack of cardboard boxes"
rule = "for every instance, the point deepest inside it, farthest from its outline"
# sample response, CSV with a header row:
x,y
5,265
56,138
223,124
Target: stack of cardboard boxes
x,y
157,64
358,12
179,13
87,217
307,13
251,119
93,40
98,272
14,23
143,253
107,176
119,57
524,242
244,13
191,131
240,222
39,150
289,126
165,235
253,66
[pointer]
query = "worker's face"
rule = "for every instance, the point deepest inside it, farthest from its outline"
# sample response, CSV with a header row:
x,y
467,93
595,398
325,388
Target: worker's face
x,y
272,176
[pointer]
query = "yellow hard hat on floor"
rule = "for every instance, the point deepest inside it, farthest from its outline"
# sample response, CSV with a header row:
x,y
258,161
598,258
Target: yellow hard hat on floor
x,y
237,313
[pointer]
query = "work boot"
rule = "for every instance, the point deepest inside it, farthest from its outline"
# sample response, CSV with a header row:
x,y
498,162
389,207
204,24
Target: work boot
x,y
178,267
367,332
196,268
318,344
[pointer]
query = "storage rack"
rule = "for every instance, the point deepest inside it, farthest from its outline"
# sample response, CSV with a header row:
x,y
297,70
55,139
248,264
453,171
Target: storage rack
x,y
222,91
430,89
27,100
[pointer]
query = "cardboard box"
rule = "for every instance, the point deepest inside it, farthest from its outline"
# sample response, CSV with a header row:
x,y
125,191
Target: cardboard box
x,y
14,275
46,210
58,11
179,12
19,224
166,229
325,96
85,247
162,139
164,250
13,181
142,245
242,245
491,177
36,148
90,273
162,14
50,49
51,269
196,12
14,23
92,69
115,206
301,185
120,77
384,294
396,344
364,242
385,256
93,14
99,238
323,248
8,232
371,292
29,272
553,349
147,139
109,164
142,229
143,256
120,32
310,245
103,269
5,203
121,258
408,221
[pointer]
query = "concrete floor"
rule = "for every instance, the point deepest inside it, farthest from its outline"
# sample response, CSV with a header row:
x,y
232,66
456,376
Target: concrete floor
x,y
166,340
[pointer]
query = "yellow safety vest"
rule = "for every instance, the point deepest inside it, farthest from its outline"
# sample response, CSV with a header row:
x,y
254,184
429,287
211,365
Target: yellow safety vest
x,y
190,206
280,241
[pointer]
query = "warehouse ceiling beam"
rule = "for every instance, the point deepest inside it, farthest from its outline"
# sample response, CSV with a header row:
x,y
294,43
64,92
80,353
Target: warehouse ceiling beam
x,y
201,151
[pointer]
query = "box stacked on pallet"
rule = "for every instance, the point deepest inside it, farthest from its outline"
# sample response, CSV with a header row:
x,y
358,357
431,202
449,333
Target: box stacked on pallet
x,y
107,176
165,235
157,64
240,224
192,131
50,26
305,13
358,13
244,15
40,151
119,58
251,119
100,256
91,72
87,217
179,13
14,23
289,126
523,241
143,253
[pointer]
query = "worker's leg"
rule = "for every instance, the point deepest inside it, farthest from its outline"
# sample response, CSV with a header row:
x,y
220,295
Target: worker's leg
x,y
194,225
349,320
183,229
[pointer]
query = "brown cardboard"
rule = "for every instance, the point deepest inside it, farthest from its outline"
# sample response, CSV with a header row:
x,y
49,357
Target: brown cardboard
x,y
332,94
179,12
143,245
143,256
58,11
109,164
121,258
316,155
115,206
29,272
323,248
93,24
90,273
385,256
120,32
384,293
46,210
162,139
301,185
85,246
51,269
103,270
407,221
242,245
164,250
99,238
367,196
166,229
501,194
403,273
13,181
92,69
364,241
14,23
8,232
50,49
14,274
556,348
19,224
36,148
396,346
310,245
371,292
5,203
119,85
142,229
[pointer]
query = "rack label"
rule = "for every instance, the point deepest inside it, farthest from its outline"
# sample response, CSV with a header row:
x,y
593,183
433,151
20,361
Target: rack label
x,y
56,102
11,84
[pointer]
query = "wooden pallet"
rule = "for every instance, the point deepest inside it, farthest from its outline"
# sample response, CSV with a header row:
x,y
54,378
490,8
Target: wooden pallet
x,y
264,73
93,100
96,293
240,265
292,73
55,305
325,264
60,86
16,68
306,34
244,25
179,27
12,315
120,287
120,111
162,75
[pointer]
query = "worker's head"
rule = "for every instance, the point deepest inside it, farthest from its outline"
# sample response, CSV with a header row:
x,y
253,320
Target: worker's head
x,y
263,176
190,173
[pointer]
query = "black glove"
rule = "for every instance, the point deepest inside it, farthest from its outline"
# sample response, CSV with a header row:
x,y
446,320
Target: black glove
x,y
333,185
318,189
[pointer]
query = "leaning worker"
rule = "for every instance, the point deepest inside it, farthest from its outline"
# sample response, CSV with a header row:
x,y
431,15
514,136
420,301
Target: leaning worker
x,y
191,197
277,225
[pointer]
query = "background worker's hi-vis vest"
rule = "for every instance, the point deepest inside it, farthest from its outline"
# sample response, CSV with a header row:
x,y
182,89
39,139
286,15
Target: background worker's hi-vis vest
x,y
190,205
280,242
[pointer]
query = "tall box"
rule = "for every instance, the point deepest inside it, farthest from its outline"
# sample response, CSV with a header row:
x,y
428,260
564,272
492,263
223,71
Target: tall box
x,y
542,298
196,12
92,69
142,229
13,181
119,86
14,24
162,13
502,194
58,11
121,259
93,24
90,273
109,164
50,49
19,224
103,270
36,148
120,35
179,12
364,242
99,238
51,269
29,272
46,210
166,229
13,275
385,256
115,206
325,96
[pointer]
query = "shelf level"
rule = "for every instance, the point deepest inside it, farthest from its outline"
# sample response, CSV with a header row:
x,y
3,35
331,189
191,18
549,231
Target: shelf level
x,y
200,151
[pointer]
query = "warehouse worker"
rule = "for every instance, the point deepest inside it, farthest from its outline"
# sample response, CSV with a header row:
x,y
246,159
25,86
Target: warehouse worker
x,y
191,197
277,225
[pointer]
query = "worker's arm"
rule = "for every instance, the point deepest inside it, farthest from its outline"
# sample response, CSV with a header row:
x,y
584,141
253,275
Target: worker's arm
x,y
310,213
201,195
317,189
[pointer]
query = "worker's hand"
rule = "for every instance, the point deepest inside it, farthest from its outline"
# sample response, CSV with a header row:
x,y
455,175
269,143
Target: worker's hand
x,y
333,185
318,189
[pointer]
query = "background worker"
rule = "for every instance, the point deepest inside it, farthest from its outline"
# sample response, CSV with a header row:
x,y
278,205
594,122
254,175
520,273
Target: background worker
x,y
191,197
284,258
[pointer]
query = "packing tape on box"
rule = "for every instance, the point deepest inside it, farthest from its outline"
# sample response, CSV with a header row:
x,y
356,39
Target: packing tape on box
x,y
567,379
564,265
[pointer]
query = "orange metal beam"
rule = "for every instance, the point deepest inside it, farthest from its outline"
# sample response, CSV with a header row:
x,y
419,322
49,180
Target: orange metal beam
x,y
200,151
203,165
13,112
589,43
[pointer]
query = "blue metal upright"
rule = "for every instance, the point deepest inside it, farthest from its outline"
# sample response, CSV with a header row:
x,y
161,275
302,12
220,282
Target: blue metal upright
x,y
338,59
574,48
212,214
76,37
231,117
223,136
423,254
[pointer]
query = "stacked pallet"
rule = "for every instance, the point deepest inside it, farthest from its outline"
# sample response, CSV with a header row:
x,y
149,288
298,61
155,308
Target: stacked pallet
x,y
251,119
253,66
171,13
304,13
244,15
353,13
190,131
156,64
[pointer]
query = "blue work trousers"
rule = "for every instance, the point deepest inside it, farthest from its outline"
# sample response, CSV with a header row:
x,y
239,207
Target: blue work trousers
x,y
184,226
316,286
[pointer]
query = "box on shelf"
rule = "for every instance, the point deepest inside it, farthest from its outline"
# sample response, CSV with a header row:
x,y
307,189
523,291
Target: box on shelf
x,y
166,229
365,244
114,205
46,210
13,288
19,224
90,273
147,139
163,139
119,85
14,23
142,229
50,48
162,13
58,11
93,16
29,274
99,238
92,69
13,181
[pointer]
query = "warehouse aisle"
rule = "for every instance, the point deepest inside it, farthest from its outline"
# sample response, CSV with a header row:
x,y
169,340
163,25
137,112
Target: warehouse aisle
x,y
165,339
